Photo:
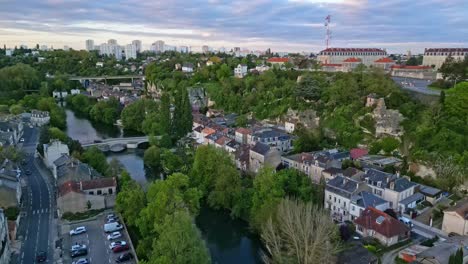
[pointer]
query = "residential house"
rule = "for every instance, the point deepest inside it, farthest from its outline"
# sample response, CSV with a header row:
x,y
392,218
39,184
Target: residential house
x,y
10,188
198,135
431,194
222,141
5,250
350,64
272,137
277,62
242,157
242,135
54,150
379,225
331,173
290,125
390,187
240,71
187,67
338,194
59,94
410,202
314,163
13,129
353,173
39,118
384,63
456,218
74,170
262,155
366,199
442,250
80,196
357,153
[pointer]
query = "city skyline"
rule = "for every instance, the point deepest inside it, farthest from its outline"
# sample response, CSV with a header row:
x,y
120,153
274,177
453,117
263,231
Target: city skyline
x,y
294,25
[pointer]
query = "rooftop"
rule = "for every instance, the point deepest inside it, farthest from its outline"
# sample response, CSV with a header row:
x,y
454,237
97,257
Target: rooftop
x,y
381,223
276,59
353,50
365,199
352,60
342,186
260,148
461,208
384,60
413,198
98,183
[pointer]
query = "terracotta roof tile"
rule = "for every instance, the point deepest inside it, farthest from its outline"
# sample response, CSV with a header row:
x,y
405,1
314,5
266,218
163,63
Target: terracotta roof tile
x,y
276,59
389,227
384,60
69,186
98,183
411,67
352,60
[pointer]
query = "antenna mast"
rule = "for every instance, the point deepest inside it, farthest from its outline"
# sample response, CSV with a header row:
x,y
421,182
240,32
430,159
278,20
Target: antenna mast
x,y
327,25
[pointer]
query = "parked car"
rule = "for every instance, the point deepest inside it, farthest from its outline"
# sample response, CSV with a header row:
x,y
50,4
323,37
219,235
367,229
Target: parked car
x,y
78,246
117,243
79,252
41,256
21,139
112,227
120,248
110,216
112,220
114,235
81,261
28,172
406,221
124,257
78,230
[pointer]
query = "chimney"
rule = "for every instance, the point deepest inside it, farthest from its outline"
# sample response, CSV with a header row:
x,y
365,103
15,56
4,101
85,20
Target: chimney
x,y
398,174
81,186
392,185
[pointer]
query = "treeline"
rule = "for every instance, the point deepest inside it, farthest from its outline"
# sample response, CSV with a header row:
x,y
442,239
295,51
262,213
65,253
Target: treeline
x,y
105,111
214,180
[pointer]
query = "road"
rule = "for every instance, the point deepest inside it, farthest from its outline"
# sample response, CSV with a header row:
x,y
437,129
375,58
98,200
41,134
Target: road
x,y
35,225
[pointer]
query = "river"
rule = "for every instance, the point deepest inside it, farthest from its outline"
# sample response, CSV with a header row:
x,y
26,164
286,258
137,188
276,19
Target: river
x,y
228,240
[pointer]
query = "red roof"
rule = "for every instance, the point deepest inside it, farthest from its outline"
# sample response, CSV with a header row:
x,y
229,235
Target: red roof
x,y
385,225
411,67
356,153
244,131
69,186
223,140
384,60
352,60
98,183
331,65
352,50
276,59
447,50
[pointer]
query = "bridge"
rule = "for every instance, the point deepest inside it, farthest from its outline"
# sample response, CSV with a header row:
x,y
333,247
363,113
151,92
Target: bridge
x,y
128,142
82,78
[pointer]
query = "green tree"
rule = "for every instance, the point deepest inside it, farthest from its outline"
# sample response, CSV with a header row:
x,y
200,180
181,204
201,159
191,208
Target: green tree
x,y
309,88
96,159
165,115
179,242
16,109
152,159
182,121
130,199
106,112
56,133
223,72
307,140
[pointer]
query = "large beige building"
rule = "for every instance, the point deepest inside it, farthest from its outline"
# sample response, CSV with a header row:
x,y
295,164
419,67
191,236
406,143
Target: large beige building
x,y
368,56
456,218
437,57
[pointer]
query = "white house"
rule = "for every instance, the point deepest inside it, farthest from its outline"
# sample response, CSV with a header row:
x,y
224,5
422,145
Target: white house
x,y
100,64
187,67
39,118
365,199
53,151
339,193
58,94
240,71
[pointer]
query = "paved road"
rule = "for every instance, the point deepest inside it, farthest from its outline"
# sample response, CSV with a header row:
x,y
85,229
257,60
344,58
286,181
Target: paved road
x,y
415,85
35,224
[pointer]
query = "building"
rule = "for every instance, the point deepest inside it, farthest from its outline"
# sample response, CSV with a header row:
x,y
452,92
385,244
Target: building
x,y
5,251
390,187
274,138
112,42
59,94
187,67
10,188
278,62
338,55
456,218
8,52
442,250
262,155
415,72
111,49
89,44
137,44
384,63
44,48
240,71
130,51
205,49
39,118
339,192
365,199
350,64
431,194
242,134
53,151
379,225
410,253
183,49
437,56
158,46
80,196
11,131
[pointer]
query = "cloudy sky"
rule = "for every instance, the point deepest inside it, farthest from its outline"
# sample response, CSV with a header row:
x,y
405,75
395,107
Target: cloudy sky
x,y
283,25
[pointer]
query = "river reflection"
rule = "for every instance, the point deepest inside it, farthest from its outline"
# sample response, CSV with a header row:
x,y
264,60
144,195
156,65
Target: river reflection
x,y
132,160
83,130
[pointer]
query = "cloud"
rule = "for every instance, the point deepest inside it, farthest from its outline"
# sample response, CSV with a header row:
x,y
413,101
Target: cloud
x,y
397,25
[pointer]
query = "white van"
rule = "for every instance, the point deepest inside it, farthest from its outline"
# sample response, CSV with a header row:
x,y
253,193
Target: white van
x,y
406,221
112,227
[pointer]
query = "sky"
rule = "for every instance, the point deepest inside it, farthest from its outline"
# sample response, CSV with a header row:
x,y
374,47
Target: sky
x,y
282,25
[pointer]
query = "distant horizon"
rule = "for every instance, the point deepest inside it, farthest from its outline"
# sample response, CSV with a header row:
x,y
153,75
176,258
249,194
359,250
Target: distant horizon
x,y
282,25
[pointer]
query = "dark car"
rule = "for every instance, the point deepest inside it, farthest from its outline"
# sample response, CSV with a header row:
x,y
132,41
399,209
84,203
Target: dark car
x,y
41,256
124,257
79,252
120,248
28,172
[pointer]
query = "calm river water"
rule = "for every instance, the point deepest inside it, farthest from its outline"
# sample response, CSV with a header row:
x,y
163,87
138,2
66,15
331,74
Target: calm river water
x,y
228,240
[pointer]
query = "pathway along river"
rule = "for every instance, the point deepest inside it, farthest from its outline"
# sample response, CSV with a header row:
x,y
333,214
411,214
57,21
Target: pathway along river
x,y
229,240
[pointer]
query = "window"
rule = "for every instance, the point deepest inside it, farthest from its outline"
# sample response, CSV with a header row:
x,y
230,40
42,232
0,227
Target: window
x,y
99,192
344,204
353,208
334,199
334,208
329,197
92,193
110,191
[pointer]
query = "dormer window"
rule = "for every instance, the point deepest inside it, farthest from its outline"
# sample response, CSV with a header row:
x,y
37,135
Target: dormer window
x,y
379,184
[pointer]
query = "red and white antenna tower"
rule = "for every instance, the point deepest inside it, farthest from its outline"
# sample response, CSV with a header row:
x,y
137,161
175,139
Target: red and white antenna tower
x,y
327,25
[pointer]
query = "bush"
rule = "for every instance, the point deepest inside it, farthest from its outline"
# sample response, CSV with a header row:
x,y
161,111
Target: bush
x,y
81,215
12,213
430,242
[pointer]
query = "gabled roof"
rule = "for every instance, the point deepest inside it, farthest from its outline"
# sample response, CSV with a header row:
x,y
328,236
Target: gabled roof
x,y
461,208
69,186
411,67
357,152
352,60
381,223
402,184
384,60
260,148
276,59
350,172
223,140
98,183
365,199
342,186
244,131
62,160
333,171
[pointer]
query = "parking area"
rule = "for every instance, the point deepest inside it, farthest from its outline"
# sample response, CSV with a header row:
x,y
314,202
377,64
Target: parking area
x,y
96,242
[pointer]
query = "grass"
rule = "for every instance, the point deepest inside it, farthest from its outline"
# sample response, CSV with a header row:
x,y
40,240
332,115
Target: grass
x,y
81,216
379,250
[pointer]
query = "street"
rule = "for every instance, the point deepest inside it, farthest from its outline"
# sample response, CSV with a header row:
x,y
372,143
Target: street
x,y
36,210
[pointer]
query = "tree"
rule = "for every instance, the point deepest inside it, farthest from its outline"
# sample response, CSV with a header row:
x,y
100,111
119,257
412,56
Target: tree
x,y
182,121
152,159
308,88
300,233
130,199
457,257
96,159
58,134
179,242
223,72
449,174
165,115
106,112
307,140
16,109
115,168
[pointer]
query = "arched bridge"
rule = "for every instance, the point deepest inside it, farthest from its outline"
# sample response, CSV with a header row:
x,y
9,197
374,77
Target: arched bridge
x,y
129,142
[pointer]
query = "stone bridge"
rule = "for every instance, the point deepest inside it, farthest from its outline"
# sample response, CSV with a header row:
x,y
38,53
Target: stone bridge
x,y
128,142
